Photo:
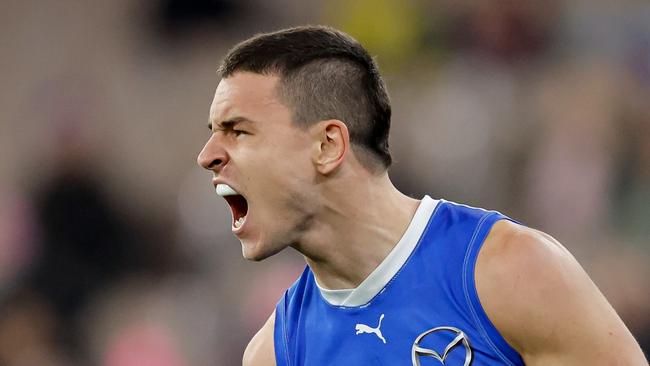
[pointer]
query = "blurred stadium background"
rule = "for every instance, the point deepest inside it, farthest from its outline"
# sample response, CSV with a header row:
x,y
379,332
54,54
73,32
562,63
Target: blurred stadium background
x,y
114,249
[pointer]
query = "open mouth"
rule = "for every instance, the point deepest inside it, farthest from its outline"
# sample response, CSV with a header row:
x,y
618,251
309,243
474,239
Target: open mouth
x,y
237,202
239,209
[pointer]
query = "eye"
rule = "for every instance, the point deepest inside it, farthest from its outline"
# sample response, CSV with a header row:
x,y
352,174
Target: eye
x,y
239,132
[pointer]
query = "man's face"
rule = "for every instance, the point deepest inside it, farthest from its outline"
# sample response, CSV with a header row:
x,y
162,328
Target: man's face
x,y
257,151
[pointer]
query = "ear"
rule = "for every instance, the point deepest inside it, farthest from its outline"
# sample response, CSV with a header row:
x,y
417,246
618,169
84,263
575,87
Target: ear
x,y
332,143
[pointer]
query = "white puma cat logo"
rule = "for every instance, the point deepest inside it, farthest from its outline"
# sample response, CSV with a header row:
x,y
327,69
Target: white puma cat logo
x,y
362,328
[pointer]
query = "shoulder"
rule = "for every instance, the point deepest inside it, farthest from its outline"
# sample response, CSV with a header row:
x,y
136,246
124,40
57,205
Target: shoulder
x,y
519,254
260,350
519,269
544,303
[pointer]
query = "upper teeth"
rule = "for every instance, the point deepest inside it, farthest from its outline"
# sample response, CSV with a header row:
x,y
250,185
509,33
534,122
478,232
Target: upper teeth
x,y
225,190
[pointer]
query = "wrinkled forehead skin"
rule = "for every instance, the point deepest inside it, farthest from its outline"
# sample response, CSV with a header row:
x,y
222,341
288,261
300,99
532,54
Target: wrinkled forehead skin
x,y
248,95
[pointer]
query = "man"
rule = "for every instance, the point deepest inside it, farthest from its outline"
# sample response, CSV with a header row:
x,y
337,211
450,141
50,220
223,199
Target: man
x,y
299,150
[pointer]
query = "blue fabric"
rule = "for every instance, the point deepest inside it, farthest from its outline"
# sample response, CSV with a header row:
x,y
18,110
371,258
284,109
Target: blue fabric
x,y
431,300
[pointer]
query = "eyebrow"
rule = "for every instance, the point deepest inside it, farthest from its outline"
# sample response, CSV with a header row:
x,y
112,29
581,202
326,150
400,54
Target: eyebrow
x,y
231,122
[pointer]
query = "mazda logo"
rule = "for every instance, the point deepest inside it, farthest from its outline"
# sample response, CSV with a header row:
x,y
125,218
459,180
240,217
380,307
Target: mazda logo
x,y
459,340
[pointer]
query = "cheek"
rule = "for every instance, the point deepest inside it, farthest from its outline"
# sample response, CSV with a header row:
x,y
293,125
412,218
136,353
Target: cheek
x,y
290,159
279,174
282,189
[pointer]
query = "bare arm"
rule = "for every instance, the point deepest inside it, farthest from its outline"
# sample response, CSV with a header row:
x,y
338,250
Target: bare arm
x,y
260,350
545,305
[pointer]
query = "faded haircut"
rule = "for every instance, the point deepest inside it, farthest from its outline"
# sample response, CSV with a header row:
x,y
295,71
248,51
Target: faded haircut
x,y
324,74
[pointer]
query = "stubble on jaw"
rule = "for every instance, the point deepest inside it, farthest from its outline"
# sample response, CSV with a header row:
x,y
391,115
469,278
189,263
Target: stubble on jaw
x,y
297,203
291,237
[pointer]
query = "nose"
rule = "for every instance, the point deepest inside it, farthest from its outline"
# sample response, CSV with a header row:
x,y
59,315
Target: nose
x,y
213,156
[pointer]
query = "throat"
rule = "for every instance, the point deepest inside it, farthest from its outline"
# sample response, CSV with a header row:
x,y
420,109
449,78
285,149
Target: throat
x,y
367,258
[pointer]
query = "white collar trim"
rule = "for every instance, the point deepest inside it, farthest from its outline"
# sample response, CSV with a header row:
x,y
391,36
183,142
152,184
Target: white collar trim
x,y
388,268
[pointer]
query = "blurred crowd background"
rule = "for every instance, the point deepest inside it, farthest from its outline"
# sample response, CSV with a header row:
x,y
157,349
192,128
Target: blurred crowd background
x,y
114,249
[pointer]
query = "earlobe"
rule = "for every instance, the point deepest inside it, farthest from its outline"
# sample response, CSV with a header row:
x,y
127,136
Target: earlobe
x,y
333,144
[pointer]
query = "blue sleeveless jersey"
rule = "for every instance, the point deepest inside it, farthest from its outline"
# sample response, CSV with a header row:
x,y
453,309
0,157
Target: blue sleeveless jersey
x,y
428,313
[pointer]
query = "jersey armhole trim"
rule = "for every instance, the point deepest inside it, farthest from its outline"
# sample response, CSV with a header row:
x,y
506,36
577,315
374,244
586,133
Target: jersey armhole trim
x,y
490,333
281,331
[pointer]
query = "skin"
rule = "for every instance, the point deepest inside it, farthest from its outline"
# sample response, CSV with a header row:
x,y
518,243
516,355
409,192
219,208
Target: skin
x,y
306,189
525,277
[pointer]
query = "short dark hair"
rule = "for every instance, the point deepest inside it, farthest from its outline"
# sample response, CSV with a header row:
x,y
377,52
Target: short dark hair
x,y
325,74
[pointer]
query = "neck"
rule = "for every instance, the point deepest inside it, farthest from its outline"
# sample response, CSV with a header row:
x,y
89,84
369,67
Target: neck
x,y
359,223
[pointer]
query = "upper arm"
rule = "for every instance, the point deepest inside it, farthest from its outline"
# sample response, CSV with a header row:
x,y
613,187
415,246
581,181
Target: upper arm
x,y
545,305
260,350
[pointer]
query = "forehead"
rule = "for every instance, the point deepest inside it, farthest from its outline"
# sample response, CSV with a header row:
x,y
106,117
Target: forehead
x,y
245,94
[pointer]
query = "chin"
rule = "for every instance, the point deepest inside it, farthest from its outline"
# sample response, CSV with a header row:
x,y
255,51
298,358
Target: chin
x,y
257,251
254,252
254,258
